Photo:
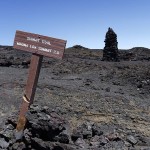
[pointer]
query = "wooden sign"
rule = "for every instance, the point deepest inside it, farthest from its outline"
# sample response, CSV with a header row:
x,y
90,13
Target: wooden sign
x,y
39,46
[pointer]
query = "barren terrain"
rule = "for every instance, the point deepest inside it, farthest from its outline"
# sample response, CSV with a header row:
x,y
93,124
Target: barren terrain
x,y
85,89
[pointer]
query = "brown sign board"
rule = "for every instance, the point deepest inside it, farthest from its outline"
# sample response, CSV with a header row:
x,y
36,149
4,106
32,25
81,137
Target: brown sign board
x,y
39,44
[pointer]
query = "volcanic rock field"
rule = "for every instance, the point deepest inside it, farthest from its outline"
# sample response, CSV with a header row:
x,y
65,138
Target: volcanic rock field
x,y
81,102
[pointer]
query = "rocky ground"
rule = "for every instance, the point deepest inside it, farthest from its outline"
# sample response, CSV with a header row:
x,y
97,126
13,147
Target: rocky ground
x,y
106,105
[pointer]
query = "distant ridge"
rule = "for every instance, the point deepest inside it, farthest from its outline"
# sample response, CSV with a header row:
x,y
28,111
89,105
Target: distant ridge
x,y
83,48
81,52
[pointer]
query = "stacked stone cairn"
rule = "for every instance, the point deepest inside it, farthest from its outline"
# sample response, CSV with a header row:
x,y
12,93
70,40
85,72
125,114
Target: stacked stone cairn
x,y
110,52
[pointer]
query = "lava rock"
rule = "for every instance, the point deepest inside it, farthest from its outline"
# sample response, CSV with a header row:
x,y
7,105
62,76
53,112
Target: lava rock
x,y
18,146
103,140
95,141
131,139
47,130
5,63
75,135
81,143
107,89
43,125
63,138
96,130
3,143
86,130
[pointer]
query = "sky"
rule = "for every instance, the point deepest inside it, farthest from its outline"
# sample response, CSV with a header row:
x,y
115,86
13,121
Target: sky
x,y
80,22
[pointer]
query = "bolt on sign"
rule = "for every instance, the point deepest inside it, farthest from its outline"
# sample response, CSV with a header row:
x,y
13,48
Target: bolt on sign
x,y
39,46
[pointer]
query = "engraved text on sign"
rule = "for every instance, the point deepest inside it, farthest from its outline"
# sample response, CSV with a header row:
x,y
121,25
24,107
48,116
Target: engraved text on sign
x,y
43,45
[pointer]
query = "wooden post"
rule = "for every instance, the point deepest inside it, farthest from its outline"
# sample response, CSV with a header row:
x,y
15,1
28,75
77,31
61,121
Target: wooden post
x,y
39,46
34,71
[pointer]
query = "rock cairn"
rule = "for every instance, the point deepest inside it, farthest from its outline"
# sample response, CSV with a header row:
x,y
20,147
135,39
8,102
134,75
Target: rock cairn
x,y
46,129
110,52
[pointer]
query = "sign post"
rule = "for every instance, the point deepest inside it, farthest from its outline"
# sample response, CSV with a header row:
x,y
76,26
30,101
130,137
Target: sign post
x,y
39,46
